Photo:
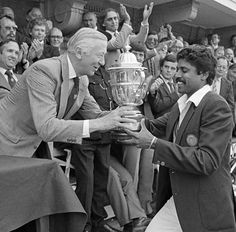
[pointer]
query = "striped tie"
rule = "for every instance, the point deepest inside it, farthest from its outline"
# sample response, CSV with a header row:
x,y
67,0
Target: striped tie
x,y
10,78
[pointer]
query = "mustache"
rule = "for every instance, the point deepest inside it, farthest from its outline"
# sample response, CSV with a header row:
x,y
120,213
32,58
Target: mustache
x,y
180,79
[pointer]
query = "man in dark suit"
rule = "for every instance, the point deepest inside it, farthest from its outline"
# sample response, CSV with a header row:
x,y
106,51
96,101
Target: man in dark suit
x,y
9,54
192,146
221,85
163,92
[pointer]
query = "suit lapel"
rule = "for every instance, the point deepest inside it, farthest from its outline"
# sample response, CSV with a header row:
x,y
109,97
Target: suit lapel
x,y
185,123
3,82
223,88
173,117
64,87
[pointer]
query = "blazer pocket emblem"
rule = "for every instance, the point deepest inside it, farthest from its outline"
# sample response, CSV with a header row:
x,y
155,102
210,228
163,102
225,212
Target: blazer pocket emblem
x,y
192,140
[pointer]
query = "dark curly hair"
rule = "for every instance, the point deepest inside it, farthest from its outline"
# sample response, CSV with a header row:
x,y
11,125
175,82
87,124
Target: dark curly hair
x,y
201,58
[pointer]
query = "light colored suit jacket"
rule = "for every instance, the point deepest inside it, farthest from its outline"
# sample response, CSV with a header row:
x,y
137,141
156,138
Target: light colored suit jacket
x,y
117,43
34,110
195,169
4,86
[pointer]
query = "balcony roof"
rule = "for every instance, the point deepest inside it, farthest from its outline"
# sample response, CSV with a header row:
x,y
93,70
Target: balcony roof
x,y
211,14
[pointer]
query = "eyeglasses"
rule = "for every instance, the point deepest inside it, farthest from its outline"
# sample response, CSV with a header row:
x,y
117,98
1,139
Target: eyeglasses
x,y
9,28
56,37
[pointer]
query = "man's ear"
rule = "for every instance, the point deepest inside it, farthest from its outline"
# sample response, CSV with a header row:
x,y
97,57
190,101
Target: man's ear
x,y
205,76
78,52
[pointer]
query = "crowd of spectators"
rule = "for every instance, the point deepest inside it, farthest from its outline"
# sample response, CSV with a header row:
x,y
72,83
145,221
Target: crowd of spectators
x,y
107,172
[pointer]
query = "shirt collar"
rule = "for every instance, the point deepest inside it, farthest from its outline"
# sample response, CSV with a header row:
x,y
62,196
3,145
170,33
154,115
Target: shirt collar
x,y
3,70
72,73
166,80
194,98
217,78
112,32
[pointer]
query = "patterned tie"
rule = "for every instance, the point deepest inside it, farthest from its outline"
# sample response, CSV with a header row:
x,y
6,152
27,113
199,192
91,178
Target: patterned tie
x,y
214,86
10,78
151,66
73,95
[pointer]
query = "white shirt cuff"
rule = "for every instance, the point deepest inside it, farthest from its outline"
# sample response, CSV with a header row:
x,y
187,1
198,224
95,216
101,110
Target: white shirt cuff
x,y
86,133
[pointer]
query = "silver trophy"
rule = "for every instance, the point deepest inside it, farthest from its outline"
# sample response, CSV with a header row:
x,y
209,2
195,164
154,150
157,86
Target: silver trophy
x,y
128,84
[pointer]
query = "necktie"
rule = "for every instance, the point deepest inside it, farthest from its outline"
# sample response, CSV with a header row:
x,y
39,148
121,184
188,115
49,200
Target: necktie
x,y
151,66
10,78
172,88
214,86
73,94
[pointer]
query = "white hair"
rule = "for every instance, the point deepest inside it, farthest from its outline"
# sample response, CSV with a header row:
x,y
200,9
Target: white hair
x,y
85,38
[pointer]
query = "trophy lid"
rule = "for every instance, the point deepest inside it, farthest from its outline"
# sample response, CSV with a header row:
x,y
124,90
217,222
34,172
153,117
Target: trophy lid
x,y
127,60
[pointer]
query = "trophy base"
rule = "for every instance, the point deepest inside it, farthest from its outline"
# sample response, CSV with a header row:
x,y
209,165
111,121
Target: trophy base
x,y
119,134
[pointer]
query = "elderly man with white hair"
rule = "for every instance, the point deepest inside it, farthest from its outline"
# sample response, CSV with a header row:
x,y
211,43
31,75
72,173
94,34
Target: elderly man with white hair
x,y
50,92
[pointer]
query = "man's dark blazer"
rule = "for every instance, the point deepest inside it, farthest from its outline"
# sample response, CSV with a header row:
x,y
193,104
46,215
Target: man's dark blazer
x,y
226,91
163,100
195,169
48,52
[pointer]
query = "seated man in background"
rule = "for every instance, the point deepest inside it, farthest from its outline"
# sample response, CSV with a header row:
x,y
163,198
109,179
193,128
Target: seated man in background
x,y
38,49
9,54
221,85
229,54
56,38
89,19
8,30
31,14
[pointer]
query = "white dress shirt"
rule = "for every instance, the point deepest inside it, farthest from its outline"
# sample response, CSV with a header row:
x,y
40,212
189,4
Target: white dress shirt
x,y
72,75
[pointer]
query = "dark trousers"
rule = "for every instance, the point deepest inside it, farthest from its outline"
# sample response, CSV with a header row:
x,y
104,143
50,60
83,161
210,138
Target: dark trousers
x,y
91,162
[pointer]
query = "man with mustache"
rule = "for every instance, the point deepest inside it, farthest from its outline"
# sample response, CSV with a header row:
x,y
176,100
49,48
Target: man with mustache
x,y
192,146
8,30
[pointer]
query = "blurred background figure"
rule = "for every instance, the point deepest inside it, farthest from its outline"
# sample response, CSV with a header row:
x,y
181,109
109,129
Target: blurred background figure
x,y
9,52
221,85
204,41
38,49
229,54
56,39
214,41
176,47
220,51
7,11
89,20
233,43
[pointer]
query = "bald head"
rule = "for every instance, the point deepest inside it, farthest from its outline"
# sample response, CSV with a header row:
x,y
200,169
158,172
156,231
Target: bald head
x,y
56,37
90,20
7,11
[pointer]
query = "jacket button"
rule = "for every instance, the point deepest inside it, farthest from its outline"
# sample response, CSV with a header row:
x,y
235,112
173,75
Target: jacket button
x,y
162,163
